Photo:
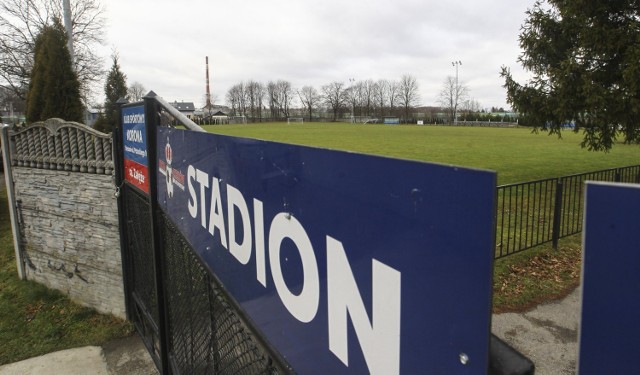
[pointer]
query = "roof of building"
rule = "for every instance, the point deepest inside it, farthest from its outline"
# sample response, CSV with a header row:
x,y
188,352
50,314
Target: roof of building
x,y
184,106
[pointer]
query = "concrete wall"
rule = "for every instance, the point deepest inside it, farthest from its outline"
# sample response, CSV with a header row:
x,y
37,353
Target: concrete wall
x,y
70,234
67,214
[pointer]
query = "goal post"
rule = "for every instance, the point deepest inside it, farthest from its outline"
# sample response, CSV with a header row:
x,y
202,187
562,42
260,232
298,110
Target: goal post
x,y
295,120
364,120
237,119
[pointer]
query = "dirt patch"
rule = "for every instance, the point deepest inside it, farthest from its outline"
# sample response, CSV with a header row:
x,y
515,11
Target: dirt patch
x,y
525,283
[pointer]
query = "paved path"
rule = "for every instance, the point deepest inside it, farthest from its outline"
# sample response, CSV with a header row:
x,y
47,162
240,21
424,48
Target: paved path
x,y
126,356
547,334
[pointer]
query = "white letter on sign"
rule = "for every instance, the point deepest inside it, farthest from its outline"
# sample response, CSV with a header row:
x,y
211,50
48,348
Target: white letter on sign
x,y
380,340
203,179
241,251
258,224
305,305
216,214
193,202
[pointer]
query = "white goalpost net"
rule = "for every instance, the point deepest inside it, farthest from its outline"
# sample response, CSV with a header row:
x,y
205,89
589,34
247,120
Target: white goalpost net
x,y
237,119
295,120
364,120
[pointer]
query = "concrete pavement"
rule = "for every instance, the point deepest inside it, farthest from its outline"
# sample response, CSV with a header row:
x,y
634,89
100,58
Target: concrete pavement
x,y
546,334
126,356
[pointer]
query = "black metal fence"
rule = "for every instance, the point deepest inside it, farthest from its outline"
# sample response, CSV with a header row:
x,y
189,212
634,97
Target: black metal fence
x,y
181,311
206,333
536,212
140,281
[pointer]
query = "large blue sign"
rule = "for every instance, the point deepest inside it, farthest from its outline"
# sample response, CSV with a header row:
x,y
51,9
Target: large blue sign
x,y
347,263
609,331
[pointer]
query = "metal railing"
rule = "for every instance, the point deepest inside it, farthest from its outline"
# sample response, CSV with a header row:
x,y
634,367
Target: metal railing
x,y
537,212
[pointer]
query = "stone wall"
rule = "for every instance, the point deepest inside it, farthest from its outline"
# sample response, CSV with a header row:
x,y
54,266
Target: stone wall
x,y
70,234
67,214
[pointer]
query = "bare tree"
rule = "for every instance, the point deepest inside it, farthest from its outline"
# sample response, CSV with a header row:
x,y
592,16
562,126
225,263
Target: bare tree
x,y
368,88
136,91
309,98
393,89
213,98
280,96
379,95
451,97
272,98
334,95
20,22
237,99
255,96
285,97
352,98
471,105
408,95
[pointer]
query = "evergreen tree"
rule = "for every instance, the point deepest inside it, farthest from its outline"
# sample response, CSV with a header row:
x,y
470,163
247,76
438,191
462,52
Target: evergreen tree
x,y
54,89
584,56
115,88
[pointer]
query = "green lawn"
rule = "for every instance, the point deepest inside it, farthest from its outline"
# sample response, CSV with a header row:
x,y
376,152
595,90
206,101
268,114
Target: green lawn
x,y
35,320
515,153
518,155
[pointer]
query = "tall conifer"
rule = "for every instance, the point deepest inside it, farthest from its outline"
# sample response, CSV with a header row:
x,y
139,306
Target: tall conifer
x,y
54,89
584,59
115,88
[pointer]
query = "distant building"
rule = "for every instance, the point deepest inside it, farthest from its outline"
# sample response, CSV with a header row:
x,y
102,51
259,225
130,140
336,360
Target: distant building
x,y
8,115
213,114
91,115
186,108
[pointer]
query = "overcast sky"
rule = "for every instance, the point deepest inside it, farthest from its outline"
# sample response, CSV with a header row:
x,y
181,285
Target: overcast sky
x,y
162,44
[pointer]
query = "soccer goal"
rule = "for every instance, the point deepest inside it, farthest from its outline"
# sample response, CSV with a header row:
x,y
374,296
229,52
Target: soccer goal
x,y
237,119
295,120
363,120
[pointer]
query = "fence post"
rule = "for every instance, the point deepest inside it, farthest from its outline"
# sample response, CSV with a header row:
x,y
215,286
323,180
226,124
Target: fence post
x,y
557,213
11,200
152,122
118,180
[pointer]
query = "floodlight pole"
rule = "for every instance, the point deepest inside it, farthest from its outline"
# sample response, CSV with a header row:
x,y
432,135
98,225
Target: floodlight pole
x,y
353,102
456,93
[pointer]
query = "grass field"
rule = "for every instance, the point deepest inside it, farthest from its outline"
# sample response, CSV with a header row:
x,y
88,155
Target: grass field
x,y
518,155
515,153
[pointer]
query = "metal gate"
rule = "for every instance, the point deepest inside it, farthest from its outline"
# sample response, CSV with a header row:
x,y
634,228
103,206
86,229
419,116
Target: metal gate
x,y
185,319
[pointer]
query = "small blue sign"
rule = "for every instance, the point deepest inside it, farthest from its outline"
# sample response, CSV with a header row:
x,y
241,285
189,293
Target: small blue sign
x,y
609,331
136,163
346,263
